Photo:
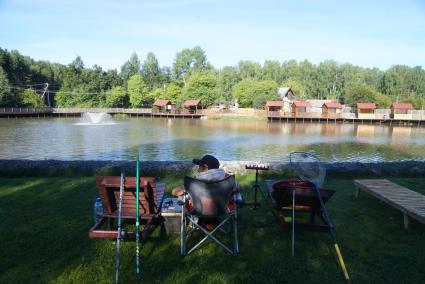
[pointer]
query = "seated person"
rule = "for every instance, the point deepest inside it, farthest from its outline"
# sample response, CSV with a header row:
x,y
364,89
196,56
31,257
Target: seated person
x,y
209,170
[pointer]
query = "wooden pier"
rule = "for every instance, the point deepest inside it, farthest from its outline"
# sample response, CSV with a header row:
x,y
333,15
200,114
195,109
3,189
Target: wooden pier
x,y
77,112
342,120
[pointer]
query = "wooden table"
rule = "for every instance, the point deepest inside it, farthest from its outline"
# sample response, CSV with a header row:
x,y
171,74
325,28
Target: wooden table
x,y
409,202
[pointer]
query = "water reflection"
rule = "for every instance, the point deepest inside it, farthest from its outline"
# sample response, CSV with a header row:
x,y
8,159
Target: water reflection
x,y
179,139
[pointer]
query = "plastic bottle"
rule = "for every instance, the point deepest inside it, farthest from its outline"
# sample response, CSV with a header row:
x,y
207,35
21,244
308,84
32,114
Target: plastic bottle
x,y
97,210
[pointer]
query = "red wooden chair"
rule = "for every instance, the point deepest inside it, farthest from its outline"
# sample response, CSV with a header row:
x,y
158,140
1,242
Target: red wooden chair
x,y
150,199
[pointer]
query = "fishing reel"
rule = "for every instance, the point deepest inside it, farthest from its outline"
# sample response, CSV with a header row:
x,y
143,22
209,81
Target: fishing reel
x,y
123,234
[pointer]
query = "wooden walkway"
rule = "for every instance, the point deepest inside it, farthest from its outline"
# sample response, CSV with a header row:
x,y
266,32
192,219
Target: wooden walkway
x,y
342,120
410,203
77,112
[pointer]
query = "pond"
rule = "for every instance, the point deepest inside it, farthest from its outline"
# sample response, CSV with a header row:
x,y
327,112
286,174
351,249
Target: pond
x,y
161,139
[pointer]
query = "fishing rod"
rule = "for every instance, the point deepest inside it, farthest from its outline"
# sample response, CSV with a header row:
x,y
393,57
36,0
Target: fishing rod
x,y
332,233
119,235
137,217
310,169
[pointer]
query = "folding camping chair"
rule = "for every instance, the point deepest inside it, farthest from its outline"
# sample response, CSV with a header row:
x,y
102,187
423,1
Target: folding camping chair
x,y
206,204
150,198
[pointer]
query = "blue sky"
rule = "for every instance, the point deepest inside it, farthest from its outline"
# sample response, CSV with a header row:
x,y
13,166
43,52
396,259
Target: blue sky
x,y
106,32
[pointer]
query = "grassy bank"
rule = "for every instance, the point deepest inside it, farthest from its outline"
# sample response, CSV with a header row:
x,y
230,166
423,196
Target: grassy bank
x,y
44,239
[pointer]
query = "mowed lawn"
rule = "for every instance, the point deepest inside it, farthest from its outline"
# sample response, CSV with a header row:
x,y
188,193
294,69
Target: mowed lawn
x,y
44,239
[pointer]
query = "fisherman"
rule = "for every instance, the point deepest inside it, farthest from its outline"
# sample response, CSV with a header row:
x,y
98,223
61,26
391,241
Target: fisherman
x,y
209,170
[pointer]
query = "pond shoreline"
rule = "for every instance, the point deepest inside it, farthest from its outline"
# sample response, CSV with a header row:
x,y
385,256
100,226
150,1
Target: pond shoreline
x,y
92,167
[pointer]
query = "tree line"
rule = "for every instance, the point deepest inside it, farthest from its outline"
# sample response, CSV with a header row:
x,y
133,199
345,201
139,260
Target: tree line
x,y
191,76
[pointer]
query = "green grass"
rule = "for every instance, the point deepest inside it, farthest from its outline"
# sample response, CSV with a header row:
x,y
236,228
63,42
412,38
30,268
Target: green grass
x,y
44,239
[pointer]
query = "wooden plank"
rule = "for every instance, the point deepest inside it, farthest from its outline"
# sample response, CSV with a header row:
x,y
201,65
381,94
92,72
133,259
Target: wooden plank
x,y
409,202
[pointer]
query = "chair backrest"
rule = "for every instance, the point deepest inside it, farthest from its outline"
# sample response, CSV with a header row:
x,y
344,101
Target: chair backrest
x,y
109,189
305,194
209,198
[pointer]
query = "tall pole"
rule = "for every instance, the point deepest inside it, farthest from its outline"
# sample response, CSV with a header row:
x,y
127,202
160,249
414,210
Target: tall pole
x,y
119,235
137,216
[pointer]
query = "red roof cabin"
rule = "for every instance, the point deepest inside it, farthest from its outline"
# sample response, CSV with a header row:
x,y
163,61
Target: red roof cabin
x,y
331,110
274,106
366,110
299,108
161,105
192,106
401,110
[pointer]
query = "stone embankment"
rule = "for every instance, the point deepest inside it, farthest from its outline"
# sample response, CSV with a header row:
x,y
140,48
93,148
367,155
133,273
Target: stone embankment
x,y
57,168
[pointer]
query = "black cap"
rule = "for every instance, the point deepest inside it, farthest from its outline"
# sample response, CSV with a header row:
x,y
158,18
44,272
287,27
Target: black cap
x,y
208,160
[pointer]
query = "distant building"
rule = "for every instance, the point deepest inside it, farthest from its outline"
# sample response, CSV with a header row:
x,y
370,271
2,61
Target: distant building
x,y
192,106
401,110
299,108
287,96
161,105
316,105
274,106
366,110
331,110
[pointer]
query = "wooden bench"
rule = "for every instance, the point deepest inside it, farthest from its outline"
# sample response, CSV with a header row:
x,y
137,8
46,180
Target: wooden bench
x,y
410,203
151,195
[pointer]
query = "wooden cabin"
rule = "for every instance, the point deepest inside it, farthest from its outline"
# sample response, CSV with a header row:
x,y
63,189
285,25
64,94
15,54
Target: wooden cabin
x,y
401,111
299,108
331,110
163,106
274,107
366,110
192,106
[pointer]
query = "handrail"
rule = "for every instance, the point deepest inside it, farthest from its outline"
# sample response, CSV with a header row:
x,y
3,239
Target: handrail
x,y
107,110
13,110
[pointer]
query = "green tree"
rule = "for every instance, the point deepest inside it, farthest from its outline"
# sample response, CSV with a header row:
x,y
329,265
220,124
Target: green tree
x,y
382,101
328,81
249,69
272,71
227,78
116,97
173,92
31,99
77,64
417,101
137,91
202,86
4,89
252,93
359,93
189,60
157,93
131,67
151,72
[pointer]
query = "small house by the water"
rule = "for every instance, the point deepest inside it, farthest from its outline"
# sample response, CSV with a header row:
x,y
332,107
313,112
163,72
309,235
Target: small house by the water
x,y
331,110
274,106
401,110
366,110
163,106
299,108
192,106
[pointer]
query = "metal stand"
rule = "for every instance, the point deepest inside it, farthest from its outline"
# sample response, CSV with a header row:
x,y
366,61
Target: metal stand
x,y
256,186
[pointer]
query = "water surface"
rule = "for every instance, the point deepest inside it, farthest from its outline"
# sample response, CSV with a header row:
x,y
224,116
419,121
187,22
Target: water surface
x,y
183,139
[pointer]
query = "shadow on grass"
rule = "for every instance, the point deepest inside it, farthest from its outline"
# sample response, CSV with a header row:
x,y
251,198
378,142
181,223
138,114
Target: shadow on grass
x,y
47,221
44,226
